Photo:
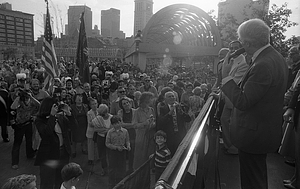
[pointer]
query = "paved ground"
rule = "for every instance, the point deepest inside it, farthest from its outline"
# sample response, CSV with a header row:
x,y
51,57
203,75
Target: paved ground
x,y
91,179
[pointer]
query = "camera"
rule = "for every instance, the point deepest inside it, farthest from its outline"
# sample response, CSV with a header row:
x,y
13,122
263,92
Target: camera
x,y
23,94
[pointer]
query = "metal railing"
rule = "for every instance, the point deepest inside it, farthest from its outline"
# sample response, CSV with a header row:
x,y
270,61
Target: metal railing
x,y
175,172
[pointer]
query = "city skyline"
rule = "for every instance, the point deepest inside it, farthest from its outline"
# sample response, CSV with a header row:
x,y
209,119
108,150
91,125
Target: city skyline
x,y
58,10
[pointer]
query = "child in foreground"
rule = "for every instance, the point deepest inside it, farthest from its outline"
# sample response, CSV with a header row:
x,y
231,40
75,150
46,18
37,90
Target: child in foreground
x,y
162,154
70,175
117,141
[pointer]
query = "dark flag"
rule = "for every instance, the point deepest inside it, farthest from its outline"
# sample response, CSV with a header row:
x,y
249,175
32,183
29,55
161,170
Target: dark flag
x,y
49,60
82,53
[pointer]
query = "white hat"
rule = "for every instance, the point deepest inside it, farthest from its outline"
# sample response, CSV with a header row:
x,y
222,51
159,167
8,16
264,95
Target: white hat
x,y
21,76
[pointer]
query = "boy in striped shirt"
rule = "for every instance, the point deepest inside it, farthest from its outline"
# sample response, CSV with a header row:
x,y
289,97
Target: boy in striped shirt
x,y
162,153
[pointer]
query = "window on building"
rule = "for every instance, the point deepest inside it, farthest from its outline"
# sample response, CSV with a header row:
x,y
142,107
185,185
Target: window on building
x,y
11,35
2,35
28,25
11,40
28,33
19,23
2,39
20,40
2,16
20,32
11,43
19,28
10,22
2,30
28,29
28,37
28,41
20,36
2,21
10,27
2,26
10,18
27,21
11,31
19,19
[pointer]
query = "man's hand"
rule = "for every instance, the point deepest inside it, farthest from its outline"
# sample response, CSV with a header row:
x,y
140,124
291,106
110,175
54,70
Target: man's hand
x,y
54,110
227,65
215,95
288,115
120,148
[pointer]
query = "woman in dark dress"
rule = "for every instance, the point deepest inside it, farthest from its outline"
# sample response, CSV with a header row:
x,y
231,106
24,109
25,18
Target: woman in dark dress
x,y
53,124
79,111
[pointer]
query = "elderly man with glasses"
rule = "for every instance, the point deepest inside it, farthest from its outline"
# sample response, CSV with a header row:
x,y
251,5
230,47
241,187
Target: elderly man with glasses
x,y
114,106
257,103
148,87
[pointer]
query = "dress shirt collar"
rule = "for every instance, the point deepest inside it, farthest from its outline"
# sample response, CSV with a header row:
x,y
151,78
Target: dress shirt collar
x,y
255,55
121,129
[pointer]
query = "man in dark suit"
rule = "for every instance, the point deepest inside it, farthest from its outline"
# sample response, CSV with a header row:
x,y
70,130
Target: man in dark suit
x,y
86,94
171,120
4,111
258,101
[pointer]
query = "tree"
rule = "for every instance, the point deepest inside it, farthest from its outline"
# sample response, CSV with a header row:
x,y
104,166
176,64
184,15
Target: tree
x,y
278,21
10,53
277,18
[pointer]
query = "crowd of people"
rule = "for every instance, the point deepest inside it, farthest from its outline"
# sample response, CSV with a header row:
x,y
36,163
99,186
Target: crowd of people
x,y
113,118
124,116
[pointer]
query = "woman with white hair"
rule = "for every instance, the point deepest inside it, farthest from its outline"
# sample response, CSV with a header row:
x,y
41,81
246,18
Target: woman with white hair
x,y
101,125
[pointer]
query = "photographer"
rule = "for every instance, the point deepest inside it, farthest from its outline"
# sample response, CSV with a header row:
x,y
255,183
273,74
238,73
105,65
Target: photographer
x,y
54,122
25,106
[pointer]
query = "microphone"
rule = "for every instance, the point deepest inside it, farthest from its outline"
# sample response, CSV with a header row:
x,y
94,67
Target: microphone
x,y
236,53
233,55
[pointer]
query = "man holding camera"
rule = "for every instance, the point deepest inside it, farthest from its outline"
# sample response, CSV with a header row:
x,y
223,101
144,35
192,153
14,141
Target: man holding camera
x,y
25,106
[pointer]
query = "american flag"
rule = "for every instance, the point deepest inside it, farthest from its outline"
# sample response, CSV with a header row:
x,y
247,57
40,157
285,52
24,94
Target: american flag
x,y
82,56
49,60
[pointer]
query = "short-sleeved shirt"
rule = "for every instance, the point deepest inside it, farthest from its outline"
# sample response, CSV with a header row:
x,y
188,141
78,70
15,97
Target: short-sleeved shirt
x,y
117,137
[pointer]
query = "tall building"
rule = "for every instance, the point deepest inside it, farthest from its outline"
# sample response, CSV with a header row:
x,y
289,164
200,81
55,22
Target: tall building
x,y
95,32
74,13
143,11
232,13
110,23
16,33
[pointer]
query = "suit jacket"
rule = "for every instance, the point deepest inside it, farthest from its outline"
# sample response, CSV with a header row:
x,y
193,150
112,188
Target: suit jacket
x,y
85,98
258,103
49,148
165,123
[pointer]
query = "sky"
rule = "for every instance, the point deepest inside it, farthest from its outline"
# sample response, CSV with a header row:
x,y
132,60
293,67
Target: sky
x,y
59,8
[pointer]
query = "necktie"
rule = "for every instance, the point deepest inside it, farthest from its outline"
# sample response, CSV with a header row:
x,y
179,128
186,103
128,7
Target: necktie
x,y
175,125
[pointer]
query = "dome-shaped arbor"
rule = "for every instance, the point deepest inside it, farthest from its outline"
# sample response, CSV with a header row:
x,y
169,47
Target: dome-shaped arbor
x,y
180,30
